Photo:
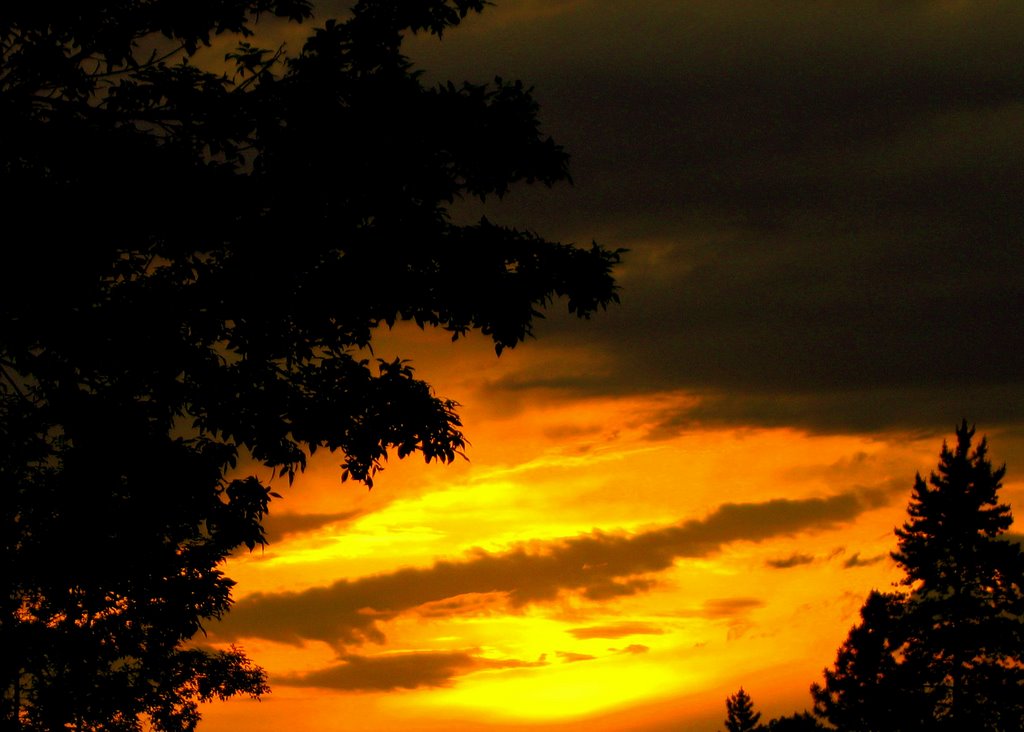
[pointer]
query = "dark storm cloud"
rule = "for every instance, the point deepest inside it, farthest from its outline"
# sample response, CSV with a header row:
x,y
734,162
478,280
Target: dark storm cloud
x,y
824,206
397,671
598,565
921,409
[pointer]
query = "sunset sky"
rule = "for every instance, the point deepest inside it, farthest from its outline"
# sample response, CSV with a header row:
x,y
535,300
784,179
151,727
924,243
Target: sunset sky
x,y
823,204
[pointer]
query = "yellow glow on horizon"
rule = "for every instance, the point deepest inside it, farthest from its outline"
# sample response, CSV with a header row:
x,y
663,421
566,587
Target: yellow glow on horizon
x,y
563,690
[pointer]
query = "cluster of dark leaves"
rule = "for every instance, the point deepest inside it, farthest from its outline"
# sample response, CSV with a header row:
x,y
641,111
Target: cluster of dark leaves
x,y
198,251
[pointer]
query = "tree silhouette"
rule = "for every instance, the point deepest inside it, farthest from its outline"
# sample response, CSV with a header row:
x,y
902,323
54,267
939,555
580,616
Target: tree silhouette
x,y
962,617
946,653
740,714
799,722
865,691
199,252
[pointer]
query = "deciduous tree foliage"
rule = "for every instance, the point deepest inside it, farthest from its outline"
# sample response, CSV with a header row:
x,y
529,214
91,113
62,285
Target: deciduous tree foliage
x,y
946,653
198,250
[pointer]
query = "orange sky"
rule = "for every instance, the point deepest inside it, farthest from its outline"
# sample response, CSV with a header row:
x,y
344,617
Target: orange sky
x,y
574,571
697,489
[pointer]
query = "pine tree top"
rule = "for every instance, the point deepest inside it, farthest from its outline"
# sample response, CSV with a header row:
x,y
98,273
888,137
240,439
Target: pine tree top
x,y
741,715
947,652
953,515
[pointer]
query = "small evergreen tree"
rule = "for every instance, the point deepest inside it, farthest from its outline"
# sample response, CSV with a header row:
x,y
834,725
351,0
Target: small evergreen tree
x,y
741,715
946,652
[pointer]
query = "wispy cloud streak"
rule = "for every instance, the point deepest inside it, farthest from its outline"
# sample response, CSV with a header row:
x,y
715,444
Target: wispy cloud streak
x,y
599,565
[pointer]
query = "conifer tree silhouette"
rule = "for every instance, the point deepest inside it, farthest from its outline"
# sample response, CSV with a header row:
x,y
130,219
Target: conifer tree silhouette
x,y
946,652
962,618
740,714
864,691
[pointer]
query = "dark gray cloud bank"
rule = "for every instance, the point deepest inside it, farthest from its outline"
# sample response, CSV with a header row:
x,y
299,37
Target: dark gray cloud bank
x,y
823,202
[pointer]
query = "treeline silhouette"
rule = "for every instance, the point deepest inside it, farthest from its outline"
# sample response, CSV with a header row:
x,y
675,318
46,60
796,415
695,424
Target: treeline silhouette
x,y
944,651
199,248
